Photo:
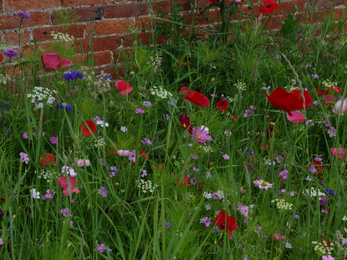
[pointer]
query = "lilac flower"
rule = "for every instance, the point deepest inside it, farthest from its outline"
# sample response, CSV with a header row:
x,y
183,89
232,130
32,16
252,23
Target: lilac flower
x,y
296,216
143,173
332,132
315,76
251,152
24,157
147,141
68,171
226,157
247,113
313,169
1,241
10,53
123,129
243,209
25,135
101,248
49,195
24,15
283,174
308,122
172,102
114,168
167,224
167,117
103,192
344,241
206,221
65,212
316,102
53,140
208,207
265,88
147,104
207,195
139,111
216,229
102,162
102,123
327,122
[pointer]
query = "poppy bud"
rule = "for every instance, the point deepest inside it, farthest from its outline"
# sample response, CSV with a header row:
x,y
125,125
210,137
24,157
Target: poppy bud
x,y
64,105
110,103
35,109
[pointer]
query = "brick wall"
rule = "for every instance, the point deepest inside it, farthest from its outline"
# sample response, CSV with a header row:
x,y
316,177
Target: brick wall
x,y
111,20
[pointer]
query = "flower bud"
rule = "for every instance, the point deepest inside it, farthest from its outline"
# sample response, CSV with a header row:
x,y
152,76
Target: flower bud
x,y
213,80
110,103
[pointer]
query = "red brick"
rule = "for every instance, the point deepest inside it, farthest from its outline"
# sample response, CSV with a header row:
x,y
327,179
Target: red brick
x,y
85,14
202,4
13,21
13,37
144,23
324,4
110,27
100,58
46,47
287,7
69,3
162,6
125,10
99,44
25,5
44,34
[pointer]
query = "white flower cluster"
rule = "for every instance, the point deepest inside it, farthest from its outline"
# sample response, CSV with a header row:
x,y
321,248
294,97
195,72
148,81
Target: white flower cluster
x,y
241,86
314,193
282,204
34,194
342,41
45,174
293,85
206,148
4,79
156,61
62,36
160,92
327,84
42,95
145,186
322,247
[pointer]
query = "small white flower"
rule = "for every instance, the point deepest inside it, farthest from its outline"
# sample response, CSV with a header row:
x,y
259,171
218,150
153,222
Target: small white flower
x,y
35,194
344,218
123,129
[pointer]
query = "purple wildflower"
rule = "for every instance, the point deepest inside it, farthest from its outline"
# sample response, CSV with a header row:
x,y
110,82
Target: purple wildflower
x,y
24,158
11,53
53,140
103,192
206,221
24,15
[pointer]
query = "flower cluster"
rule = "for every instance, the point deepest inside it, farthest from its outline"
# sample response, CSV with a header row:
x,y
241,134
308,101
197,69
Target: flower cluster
x,y
282,204
61,36
72,75
42,96
160,92
145,186
313,192
324,247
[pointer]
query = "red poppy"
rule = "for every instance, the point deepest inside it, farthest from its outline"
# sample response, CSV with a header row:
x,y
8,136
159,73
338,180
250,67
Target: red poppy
x,y
307,96
184,90
284,100
63,182
1,58
225,222
319,92
185,182
212,1
234,117
336,89
85,130
339,152
143,155
124,87
43,159
269,131
197,98
222,105
318,165
329,100
53,61
269,6
185,121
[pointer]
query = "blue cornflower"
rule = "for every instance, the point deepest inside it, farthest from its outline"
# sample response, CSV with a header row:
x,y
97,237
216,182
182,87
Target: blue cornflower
x,y
60,106
330,191
106,76
167,224
250,152
72,75
24,15
8,104
68,107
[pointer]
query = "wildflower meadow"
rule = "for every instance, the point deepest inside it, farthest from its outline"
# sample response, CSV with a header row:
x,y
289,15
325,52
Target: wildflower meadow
x,y
224,142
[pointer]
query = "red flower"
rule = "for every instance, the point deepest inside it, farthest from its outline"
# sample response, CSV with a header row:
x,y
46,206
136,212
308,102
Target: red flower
x,y
329,100
318,165
124,87
212,1
185,123
185,182
320,92
184,90
1,58
278,236
284,100
336,89
222,105
269,6
269,131
63,182
53,61
85,130
225,222
143,155
234,117
112,150
43,159
197,98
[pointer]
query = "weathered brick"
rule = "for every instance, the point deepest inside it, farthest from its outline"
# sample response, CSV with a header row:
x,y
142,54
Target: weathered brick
x,y
44,34
20,5
70,3
100,58
85,14
125,10
99,44
288,7
144,23
13,37
323,4
13,21
110,27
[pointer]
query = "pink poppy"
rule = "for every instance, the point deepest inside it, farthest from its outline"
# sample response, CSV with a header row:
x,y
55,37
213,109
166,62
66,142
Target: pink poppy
x,y
63,182
278,236
53,61
124,87
339,106
341,152
296,117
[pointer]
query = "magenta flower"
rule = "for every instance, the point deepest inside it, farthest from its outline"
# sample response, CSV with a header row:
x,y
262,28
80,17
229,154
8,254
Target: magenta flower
x,y
101,248
132,156
65,212
340,107
283,174
24,157
53,140
226,157
206,221
200,135
25,135
139,111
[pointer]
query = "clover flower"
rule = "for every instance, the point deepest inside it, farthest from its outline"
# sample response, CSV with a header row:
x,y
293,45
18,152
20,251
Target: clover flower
x,y
282,204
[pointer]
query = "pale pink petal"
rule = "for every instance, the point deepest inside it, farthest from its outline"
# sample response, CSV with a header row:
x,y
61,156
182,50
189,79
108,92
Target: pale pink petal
x,y
339,106
296,117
